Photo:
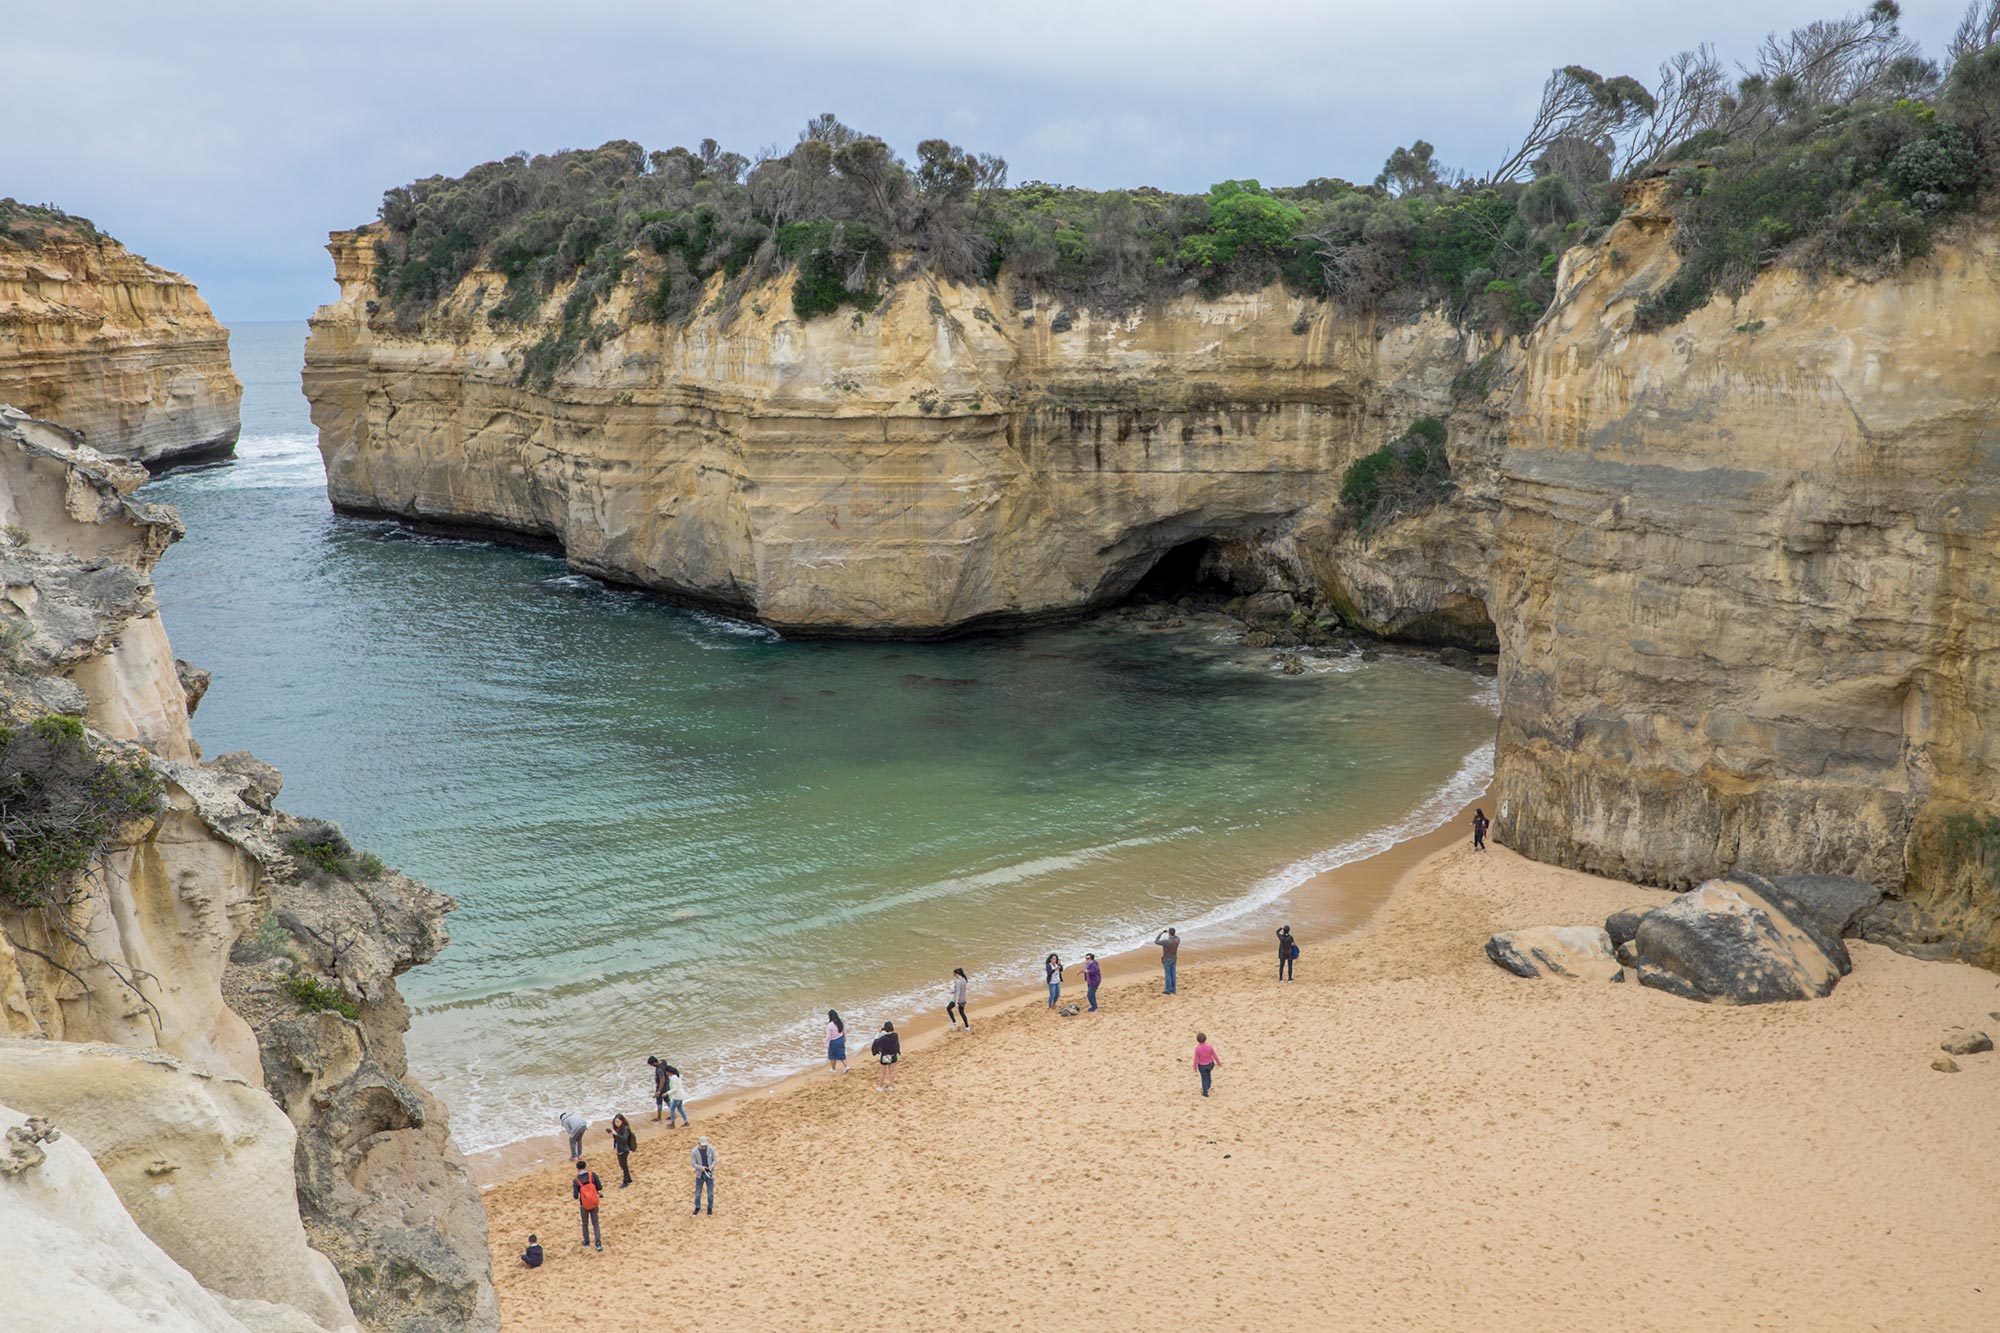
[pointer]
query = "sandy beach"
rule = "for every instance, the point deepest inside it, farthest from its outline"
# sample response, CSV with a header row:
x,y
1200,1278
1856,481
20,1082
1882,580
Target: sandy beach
x,y
1406,1136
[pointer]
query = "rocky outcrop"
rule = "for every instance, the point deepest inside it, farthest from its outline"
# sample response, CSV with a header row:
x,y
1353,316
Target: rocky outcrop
x,y
113,347
1745,573
948,460
146,950
1578,953
1740,940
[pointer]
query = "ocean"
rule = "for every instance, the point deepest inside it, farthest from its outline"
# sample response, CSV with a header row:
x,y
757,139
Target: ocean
x,y
673,833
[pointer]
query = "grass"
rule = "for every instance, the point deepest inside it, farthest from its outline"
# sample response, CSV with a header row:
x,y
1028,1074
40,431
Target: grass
x,y
311,993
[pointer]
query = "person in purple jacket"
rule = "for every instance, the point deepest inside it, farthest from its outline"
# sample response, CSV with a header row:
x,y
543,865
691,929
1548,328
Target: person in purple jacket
x,y
1093,976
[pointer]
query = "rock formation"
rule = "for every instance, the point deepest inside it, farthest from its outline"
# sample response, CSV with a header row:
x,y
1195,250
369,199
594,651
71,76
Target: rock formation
x,y
113,347
1578,953
195,934
1740,940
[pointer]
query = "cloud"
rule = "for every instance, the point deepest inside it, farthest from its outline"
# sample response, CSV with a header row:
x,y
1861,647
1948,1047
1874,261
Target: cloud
x,y
226,139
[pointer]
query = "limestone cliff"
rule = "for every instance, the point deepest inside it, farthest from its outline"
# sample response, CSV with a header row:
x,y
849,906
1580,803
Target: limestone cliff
x,y
145,950
1746,577
120,350
958,456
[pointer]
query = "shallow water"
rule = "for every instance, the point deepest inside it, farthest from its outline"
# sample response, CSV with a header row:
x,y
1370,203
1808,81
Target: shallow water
x,y
673,833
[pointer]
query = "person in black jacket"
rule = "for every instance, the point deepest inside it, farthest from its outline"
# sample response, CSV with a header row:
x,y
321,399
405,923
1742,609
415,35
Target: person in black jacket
x,y
887,1049
532,1256
1480,823
660,1069
623,1142
1287,951
588,1206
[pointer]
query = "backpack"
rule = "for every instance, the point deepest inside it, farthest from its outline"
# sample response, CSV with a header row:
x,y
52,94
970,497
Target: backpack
x,y
1295,948
587,1194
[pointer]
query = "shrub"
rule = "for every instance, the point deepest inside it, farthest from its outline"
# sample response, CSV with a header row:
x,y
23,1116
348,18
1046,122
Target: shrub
x,y
325,850
1409,474
62,803
837,266
310,992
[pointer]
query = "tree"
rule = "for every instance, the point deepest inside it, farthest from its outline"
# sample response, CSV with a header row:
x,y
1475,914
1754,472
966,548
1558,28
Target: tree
x,y
1577,104
1409,170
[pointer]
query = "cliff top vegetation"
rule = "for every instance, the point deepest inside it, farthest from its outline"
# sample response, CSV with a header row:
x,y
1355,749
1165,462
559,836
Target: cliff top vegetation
x,y
1837,145
30,226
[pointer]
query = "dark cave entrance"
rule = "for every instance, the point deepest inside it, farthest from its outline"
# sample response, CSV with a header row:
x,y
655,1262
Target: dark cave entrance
x,y
1195,569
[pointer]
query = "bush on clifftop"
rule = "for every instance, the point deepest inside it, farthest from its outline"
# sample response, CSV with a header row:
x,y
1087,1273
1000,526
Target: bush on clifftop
x,y
1409,474
62,804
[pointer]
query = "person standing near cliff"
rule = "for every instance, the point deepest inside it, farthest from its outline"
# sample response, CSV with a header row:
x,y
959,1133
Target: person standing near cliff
x,y
1206,1061
1288,951
1052,972
588,1191
1480,823
676,1097
1170,955
836,1044
887,1050
574,1125
623,1142
1093,976
703,1158
659,1086
954,1008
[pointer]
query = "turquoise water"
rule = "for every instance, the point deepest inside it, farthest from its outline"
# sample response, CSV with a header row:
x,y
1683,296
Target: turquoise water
x,y
673,833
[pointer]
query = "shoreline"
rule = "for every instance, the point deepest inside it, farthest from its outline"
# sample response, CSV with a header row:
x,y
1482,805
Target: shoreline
x,y
1342,901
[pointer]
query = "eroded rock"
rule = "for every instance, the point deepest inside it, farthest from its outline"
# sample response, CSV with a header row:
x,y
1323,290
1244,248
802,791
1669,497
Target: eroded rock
x,y
1579,953
1964,1041
1739,940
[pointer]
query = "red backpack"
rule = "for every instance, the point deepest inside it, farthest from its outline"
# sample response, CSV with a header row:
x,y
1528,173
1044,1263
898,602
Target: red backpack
x,y
587,1194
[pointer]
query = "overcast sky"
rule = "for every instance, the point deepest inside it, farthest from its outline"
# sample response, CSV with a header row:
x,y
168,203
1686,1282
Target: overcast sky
x,y
224,140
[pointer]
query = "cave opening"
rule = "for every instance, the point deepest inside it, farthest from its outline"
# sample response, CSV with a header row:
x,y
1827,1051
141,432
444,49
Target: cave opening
x,y
1196,569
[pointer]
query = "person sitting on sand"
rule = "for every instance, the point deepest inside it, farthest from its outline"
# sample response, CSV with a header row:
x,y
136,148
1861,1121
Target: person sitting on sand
x,y
836,1044
703,1158
954,1008
1170,954
676,1097
623,1142
1205,1060
1287,952
574,1125
887,1049
588,1190
532,1256
1480,823
1093,976
1052,972
659,1087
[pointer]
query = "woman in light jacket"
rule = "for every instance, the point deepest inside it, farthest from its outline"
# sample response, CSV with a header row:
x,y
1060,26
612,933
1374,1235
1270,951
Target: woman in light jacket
x,y
954,1008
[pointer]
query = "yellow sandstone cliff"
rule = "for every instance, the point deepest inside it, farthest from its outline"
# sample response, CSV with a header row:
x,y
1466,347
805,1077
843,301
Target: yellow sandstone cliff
x,y
122,351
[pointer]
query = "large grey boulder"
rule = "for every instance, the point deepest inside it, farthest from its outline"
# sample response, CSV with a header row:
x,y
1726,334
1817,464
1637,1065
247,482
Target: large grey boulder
x,y
1738,940
1622,926
1580,953
1965,1041
1908,929
1836,902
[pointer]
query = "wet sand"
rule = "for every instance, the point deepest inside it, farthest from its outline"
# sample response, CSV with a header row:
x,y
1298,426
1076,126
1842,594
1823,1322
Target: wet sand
x,y
1406,1136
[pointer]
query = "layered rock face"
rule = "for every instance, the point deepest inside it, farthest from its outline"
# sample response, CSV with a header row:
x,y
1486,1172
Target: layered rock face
x,y
146,950
124,352
1747,574
959,456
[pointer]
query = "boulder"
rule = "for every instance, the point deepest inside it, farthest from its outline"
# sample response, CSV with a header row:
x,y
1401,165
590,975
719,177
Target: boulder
x,y
203,1164
1837,902
1580,953
1964,1041
1258,638
1908,929
1622,926
1738,940
1457,658
1270,606
1944,1064
1628,954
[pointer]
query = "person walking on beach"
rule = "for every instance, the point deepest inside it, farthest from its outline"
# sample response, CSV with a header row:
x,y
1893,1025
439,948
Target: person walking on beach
x,y
676,1097
1052,972
887,1049
1480,823
954,1008
532,1256
1093,976
836,1044
574,1125
623,1142
1287,953
1170,955
703,1158
660,1068
588,1191
1205,1060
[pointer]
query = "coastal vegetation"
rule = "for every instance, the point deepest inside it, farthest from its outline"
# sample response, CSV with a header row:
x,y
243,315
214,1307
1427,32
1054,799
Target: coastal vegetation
x,y
322,849
28,226
1837,146
62,803
1409,474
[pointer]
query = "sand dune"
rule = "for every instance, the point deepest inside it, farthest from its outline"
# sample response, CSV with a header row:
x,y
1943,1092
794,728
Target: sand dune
x,y
1406,1136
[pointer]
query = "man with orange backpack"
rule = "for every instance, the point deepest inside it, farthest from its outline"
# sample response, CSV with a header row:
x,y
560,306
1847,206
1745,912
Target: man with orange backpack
x,y
587,1189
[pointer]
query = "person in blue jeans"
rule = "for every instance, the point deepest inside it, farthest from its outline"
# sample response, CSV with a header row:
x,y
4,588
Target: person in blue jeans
x,y
1170,954
1052,970
1093,977
703,1158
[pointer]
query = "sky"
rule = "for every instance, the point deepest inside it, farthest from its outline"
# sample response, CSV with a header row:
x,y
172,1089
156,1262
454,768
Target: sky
x,y
223,140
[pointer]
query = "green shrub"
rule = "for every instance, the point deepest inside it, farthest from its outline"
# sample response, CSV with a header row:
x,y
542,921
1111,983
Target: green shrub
x,y
311,993
829,256
323,849
62,804
1409,474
